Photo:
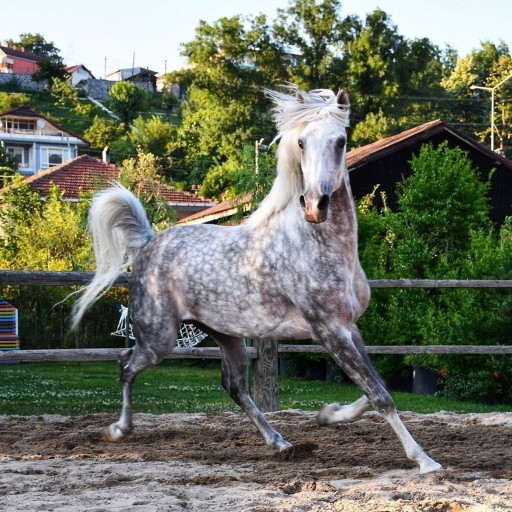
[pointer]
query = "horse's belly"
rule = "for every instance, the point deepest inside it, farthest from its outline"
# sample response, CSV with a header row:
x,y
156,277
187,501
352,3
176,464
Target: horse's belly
x,y
254,322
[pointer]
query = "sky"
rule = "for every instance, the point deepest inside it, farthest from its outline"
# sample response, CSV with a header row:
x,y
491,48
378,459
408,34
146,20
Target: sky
x,y
109,35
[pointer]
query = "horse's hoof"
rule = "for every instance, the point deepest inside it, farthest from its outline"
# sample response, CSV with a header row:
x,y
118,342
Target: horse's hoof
x,y
113,434
283,446
429,466
325,415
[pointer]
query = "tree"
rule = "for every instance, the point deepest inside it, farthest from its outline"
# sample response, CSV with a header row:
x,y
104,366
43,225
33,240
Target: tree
x,y
234,59
50,235
37,44
501,70
374,127
313,31
169,102
254,177
104,132
8,167
153,136
440,204
64,93
50,69
126,100
142,175
52,65
485,66
10,101
378,66
23,206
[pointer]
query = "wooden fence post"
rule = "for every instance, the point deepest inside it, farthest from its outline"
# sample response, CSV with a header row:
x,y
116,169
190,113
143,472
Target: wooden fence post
x,y
266,387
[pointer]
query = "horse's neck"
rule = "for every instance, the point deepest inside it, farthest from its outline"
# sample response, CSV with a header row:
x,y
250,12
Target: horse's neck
x,y
342,217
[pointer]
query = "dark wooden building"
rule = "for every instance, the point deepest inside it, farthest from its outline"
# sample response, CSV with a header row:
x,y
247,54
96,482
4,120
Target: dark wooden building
x,y
386,162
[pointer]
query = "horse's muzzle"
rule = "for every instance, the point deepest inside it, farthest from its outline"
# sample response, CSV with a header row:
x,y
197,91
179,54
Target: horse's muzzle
x,y
315,210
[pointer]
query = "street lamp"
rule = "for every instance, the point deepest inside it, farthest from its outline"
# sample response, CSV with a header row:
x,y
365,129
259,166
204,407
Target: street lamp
x,y
492,89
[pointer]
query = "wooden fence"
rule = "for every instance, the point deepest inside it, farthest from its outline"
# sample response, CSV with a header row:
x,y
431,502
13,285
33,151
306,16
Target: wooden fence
x,y
263,353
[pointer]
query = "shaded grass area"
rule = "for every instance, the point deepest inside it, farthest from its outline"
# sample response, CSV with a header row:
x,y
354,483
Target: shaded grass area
x,y
70,388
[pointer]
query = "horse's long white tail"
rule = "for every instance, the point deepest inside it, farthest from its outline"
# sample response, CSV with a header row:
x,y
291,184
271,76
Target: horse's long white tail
x,y
119,229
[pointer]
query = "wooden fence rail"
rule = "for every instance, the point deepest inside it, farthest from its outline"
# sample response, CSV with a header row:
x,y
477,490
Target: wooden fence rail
x,y
264,353
44,278
112,354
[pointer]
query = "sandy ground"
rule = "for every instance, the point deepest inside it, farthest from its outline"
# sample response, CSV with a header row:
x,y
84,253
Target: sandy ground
x,y
218,462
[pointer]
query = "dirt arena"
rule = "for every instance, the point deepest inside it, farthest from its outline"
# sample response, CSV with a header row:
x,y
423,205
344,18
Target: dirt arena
x,y
219,462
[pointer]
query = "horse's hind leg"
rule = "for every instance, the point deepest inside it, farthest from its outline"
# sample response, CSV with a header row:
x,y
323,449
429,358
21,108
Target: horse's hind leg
x,y
234,361
154,342
336,413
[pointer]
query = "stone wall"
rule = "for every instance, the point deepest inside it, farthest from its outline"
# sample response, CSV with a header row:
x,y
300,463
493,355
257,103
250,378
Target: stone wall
x,y
99,88
95,88
23,80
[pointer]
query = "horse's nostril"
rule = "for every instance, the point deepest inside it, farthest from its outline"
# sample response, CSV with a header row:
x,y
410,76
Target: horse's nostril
x,y
323,204
302,202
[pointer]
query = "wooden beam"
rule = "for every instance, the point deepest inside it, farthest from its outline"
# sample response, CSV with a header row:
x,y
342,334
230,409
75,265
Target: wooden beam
x,y
440,283
407,349
107,354
44,278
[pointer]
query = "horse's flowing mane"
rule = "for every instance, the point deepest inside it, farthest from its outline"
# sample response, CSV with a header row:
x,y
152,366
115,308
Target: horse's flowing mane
x,y
291,113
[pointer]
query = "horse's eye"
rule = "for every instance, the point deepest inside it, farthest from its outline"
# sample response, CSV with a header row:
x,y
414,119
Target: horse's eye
x,y
341,143
301,144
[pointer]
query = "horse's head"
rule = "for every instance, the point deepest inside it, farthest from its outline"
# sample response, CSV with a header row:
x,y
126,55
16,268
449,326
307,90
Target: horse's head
x,y
311,162
322,145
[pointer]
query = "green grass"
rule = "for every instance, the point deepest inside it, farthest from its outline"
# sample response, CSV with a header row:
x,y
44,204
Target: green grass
x,y
172,386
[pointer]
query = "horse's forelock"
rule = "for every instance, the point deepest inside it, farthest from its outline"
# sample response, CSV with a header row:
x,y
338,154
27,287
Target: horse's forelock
x,y
293,111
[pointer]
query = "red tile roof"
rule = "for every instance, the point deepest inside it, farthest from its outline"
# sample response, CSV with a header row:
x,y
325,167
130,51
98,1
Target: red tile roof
x,y
86,173
72,69
83,173
21,54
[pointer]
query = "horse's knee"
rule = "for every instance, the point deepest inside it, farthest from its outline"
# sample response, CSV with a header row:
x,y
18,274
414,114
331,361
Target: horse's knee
x,y
383,403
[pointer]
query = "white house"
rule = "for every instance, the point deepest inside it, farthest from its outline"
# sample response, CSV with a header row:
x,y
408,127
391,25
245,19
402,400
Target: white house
x,y
36,141
79,74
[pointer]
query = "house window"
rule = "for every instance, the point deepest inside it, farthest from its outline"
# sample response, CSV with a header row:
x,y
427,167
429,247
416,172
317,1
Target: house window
x,y
14,123
53,156
18,154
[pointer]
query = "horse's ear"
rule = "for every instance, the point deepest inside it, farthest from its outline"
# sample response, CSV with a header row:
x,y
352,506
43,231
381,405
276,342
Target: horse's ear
x,y
342,98
301,96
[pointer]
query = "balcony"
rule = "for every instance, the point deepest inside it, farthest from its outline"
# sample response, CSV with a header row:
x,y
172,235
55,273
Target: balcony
x,y
24,134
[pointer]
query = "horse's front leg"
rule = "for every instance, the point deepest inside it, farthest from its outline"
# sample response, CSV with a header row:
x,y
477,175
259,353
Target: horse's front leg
x,y
343,349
